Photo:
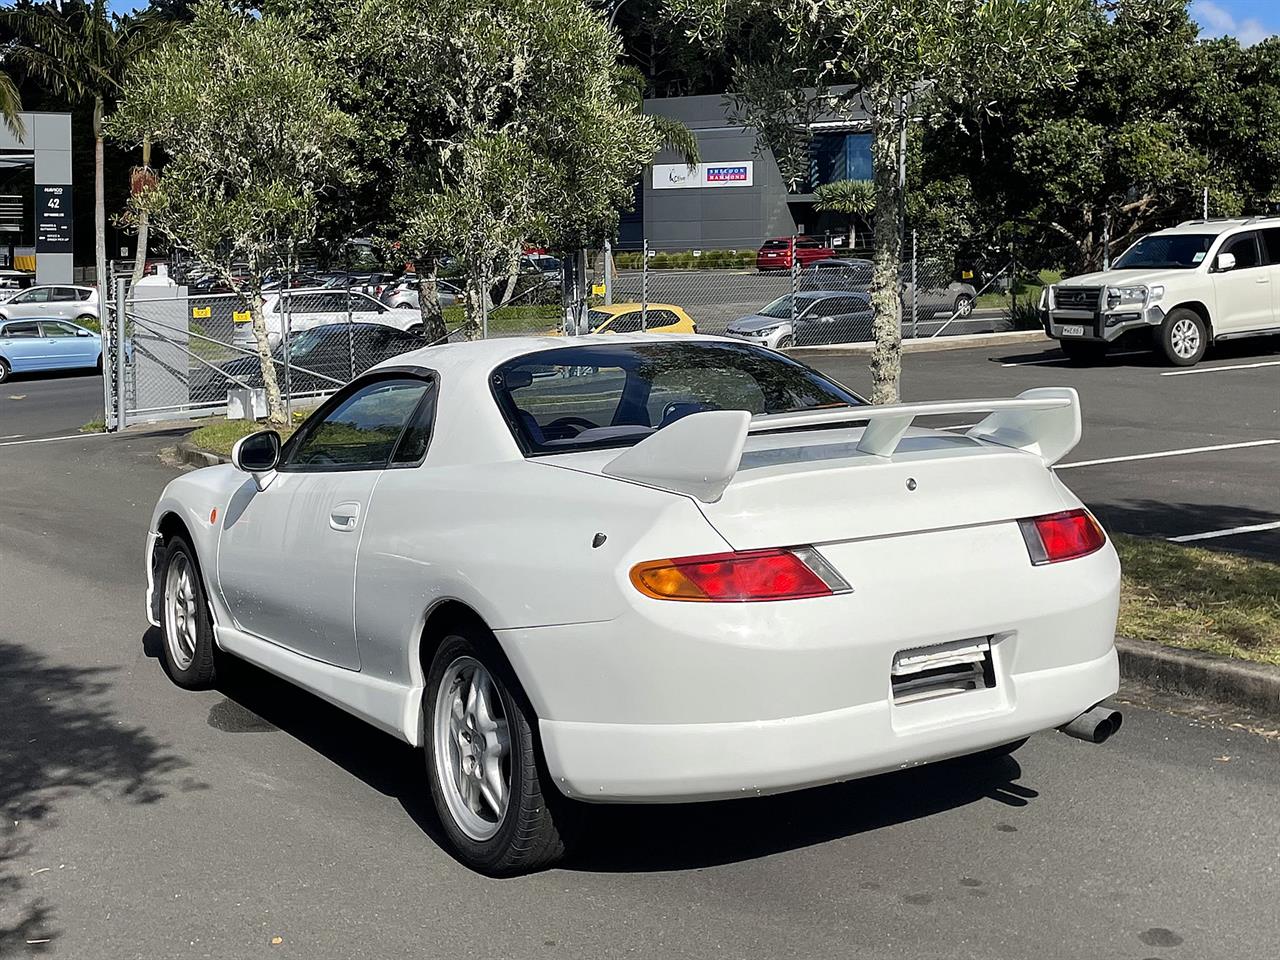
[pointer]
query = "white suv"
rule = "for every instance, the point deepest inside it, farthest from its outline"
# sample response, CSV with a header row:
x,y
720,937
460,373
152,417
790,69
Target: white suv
x,y
1186,287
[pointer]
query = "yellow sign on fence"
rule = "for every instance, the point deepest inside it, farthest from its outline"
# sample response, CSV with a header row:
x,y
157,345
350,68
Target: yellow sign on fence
x,y
242,316
597,289
201,313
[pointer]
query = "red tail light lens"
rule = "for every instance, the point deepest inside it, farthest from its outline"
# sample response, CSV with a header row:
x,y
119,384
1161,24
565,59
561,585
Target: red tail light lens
x,y
1062,536
742,577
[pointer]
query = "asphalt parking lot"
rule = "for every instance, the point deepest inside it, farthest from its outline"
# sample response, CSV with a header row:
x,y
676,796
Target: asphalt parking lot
x,y
143,821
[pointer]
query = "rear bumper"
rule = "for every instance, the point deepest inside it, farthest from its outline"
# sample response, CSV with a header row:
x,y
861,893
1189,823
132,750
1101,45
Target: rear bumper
x,y
652,763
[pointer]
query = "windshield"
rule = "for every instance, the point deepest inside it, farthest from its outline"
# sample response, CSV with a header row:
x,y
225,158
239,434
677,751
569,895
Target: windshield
x,y
1169,251
780,309
577,398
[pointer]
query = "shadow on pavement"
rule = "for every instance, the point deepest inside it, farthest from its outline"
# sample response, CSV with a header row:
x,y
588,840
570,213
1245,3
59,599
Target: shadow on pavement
x,y
1137,355
632,837
58,739
1162,519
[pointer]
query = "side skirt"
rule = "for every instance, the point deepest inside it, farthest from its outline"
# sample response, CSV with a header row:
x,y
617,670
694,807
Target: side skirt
x,y
390,707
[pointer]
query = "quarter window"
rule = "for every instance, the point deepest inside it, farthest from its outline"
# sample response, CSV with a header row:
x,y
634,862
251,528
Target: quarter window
x,y
360,432
1271,245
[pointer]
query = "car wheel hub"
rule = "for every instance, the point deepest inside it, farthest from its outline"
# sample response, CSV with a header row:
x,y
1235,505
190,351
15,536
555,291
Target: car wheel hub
x,y
472,748
180,622
1185,338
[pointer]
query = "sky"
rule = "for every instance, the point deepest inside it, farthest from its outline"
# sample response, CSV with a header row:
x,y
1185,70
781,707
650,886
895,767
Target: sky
x,y
1247,20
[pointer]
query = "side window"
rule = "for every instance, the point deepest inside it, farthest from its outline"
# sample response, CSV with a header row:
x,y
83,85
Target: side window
x,y
662,318
64,294
629,322
361,431
1245,249
34,295
22,330
413,444
83,294
1271,245
54,329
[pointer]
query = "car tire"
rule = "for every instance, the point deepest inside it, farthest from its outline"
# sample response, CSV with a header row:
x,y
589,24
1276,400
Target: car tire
x,y
963,306
1183,337
786,342
190,657
491,833
4,370
1083,352
98,364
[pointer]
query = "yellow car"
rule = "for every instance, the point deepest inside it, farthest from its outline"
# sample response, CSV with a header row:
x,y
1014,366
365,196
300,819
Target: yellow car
x,y
625,318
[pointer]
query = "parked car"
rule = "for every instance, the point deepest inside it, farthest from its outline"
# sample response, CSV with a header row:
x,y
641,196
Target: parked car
x,y
627,318
822,316
311,308
935,294
66,302
11,281
471,546
36,346
402,294
321,359
775,254
551,268
1177,290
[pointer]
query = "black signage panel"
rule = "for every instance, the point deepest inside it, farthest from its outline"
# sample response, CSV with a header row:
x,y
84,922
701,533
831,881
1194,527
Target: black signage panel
x,y
53,218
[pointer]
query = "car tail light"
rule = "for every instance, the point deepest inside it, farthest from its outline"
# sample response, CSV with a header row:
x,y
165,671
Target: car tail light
x,y
1062,536
741,577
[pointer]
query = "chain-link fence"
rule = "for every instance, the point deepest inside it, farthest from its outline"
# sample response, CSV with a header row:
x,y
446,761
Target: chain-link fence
x,y
794,292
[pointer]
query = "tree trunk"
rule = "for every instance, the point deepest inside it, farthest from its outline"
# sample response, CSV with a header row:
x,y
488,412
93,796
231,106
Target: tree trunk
x,y
99,205
433,327
475,297
853,233
513,274
886,356
275,404
140,249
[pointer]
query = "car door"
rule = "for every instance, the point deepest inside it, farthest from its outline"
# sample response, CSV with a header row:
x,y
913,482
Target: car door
x,y
67,349
64,302
1271,253
287,553
23,347
29,303
1243,293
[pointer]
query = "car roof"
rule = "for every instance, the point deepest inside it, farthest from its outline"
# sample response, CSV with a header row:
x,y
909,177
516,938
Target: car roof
x,y
1216,226
823,294
617,308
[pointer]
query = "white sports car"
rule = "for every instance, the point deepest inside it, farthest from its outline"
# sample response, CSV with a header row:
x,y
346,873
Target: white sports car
x,y
637,569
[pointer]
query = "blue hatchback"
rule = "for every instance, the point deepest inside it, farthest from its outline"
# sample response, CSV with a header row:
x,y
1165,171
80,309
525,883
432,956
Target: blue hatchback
x,y
34,346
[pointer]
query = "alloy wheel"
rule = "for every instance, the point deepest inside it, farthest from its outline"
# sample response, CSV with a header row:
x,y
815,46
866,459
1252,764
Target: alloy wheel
x,y
181,616
1185,338
472,748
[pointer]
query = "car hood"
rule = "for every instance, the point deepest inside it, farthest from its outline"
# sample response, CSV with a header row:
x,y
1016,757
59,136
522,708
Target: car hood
x,y
756,322
1123,278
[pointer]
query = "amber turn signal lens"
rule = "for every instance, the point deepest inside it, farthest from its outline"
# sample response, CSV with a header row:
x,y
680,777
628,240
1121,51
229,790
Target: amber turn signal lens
x,y
742,577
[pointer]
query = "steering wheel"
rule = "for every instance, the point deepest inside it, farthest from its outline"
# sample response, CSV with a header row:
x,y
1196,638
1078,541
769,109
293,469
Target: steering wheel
x,y
566,423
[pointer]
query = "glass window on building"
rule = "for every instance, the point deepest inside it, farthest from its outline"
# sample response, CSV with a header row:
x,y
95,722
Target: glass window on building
x,y
840,156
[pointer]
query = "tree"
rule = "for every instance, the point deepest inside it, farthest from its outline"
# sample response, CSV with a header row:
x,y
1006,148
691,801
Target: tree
x,y
11,105
242,107
905,60
82,50
855,199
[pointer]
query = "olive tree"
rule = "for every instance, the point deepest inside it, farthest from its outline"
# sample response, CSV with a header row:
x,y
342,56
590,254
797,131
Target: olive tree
x,y
905,60
241,107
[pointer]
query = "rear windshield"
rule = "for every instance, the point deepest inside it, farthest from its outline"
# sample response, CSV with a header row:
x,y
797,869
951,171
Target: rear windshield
x,y
1170,251
592,396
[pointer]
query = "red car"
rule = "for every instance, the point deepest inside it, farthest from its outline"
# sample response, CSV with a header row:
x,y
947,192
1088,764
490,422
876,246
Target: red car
x,y
775,254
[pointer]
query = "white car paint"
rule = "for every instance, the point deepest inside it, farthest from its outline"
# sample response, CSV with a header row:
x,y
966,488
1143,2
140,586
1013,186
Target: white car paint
x,y
319,306
645,700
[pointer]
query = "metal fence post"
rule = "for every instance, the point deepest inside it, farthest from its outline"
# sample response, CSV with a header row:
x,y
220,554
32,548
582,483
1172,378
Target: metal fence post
x,y
608,272
644,286
286,302
351,341
484,310
915,287
122,352
109,342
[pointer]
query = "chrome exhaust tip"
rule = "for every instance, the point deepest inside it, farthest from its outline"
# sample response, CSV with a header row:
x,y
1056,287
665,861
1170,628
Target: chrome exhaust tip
x,y
1095,725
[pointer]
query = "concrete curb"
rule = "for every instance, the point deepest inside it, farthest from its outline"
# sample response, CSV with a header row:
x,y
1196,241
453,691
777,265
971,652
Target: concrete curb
x,y
967,341
1241,683
189,453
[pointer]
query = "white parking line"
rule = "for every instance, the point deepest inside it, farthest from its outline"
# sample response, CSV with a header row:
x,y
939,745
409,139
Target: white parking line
x,y
13,436
1231,532
71,436
1234,366
1169,453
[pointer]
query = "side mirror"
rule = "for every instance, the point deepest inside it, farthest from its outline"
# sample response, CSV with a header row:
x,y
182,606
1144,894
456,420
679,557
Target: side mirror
x,y
84,333
1225,262
258,453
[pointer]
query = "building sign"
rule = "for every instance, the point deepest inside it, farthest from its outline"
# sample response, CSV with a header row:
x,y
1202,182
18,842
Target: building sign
x,y
53,218
725,173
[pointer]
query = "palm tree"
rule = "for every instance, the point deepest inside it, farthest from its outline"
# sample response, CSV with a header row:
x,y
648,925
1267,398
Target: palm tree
x,y
11,105
856,199
81,51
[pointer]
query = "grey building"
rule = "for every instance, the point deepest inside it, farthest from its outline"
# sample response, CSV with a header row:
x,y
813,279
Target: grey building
x,y
45,148
738,195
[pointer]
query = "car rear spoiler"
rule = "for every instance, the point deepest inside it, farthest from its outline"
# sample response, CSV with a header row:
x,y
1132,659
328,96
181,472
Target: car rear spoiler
x,y
699,455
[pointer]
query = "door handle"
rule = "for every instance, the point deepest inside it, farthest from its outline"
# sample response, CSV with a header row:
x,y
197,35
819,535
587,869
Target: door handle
x,y
343,517
1262,280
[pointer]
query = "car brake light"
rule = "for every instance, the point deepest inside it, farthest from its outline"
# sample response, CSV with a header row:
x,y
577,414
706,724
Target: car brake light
x,y
1061,536
741,577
